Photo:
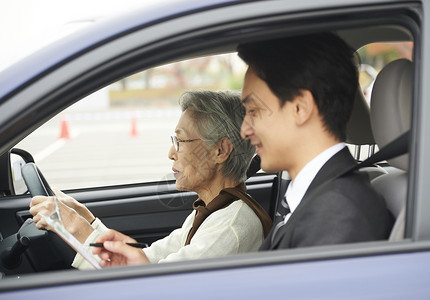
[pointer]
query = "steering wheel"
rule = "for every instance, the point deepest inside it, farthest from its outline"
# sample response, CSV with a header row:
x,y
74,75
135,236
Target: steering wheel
x,y
35,181
63,253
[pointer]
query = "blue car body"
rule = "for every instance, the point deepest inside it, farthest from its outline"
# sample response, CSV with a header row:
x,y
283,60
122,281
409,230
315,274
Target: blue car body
x,y
374,270
376,277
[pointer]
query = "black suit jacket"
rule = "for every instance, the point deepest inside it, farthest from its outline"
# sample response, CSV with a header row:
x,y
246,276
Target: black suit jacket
x,y
335,210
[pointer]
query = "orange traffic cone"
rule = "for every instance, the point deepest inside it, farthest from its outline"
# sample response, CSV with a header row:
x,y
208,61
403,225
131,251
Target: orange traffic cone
x,y
64,129
133,132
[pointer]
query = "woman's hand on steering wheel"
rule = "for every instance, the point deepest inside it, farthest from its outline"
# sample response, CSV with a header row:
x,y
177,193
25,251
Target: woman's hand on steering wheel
x,y
76,205
77,225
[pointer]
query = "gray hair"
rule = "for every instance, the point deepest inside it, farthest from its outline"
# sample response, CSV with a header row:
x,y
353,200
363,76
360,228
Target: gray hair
x,y
220,114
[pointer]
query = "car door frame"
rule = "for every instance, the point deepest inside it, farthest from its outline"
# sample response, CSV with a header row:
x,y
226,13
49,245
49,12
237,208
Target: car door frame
x,y
418,232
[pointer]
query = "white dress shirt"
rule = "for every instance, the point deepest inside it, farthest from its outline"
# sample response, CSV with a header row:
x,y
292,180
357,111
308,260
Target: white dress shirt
x,y
298,187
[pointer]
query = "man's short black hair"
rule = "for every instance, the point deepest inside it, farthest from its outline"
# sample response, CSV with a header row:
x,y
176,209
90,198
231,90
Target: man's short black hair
x,y
320,63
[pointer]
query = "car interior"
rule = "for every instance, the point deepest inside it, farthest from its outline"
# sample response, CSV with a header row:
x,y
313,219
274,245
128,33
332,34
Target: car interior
x,y
151,210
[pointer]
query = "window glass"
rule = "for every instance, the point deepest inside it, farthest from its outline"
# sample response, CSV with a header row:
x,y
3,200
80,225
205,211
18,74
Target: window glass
x,y
121,134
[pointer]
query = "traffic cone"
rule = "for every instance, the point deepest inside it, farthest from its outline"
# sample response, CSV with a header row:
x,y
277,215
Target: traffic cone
x,y
64,129
133,131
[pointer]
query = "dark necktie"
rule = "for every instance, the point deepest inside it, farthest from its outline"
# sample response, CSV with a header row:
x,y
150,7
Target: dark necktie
x,y
282,211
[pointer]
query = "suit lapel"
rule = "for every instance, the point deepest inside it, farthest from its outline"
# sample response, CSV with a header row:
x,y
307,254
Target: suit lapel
x,y
336,165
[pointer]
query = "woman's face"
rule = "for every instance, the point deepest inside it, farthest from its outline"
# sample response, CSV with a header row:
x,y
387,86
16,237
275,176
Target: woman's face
x,y
194,164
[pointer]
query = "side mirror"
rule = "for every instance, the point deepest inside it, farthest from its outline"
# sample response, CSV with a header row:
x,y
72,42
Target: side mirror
x,y
18,184
11,180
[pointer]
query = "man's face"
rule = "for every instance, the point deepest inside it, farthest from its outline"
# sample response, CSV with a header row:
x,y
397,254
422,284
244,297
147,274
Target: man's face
x,y
267,125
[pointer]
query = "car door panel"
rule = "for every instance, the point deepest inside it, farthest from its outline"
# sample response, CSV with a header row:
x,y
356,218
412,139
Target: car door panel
x,y
156,210
146,212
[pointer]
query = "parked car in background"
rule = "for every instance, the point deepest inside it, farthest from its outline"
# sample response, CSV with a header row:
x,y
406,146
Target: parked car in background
x,y
79,147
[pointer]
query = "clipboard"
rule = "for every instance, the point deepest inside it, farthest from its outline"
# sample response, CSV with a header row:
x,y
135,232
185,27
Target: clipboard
x,y
57,226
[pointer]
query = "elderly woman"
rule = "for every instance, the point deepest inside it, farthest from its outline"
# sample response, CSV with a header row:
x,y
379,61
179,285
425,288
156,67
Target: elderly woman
x,y
209,158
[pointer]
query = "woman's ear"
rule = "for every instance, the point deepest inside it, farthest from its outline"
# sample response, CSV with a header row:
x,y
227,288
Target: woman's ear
x,y
224,147
304,107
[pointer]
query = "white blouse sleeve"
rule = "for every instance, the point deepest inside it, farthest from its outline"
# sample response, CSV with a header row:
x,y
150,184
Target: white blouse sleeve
x,y
170,244
99,229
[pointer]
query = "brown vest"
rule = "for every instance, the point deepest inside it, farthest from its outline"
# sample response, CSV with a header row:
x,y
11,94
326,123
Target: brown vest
x,y
224,199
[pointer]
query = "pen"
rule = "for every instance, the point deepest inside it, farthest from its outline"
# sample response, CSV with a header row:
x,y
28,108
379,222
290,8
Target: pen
x,y
136,245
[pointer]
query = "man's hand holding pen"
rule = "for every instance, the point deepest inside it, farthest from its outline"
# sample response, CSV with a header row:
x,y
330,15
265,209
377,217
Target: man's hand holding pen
x,y
116,252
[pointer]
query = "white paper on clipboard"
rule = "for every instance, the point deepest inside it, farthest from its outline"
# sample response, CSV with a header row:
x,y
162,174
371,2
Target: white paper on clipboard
x,y
62,232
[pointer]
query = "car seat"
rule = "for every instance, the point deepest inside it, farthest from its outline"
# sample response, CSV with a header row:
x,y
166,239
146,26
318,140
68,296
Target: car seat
x,y
390,114
359,132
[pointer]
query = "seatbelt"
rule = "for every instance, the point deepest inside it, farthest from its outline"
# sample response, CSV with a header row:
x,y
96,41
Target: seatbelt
x,y
395,148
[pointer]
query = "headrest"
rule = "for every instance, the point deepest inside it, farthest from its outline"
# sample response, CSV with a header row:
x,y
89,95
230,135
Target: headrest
x,y
358,129
391,105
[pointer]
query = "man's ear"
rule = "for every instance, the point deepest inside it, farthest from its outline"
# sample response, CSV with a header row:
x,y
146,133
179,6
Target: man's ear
x,y
304,107
224,148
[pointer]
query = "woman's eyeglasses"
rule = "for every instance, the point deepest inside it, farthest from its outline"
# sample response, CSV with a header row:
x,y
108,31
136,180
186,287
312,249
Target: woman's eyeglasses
x,y
176,141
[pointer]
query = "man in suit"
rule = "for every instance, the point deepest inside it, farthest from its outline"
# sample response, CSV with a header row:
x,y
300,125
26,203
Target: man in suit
x,y
298,94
